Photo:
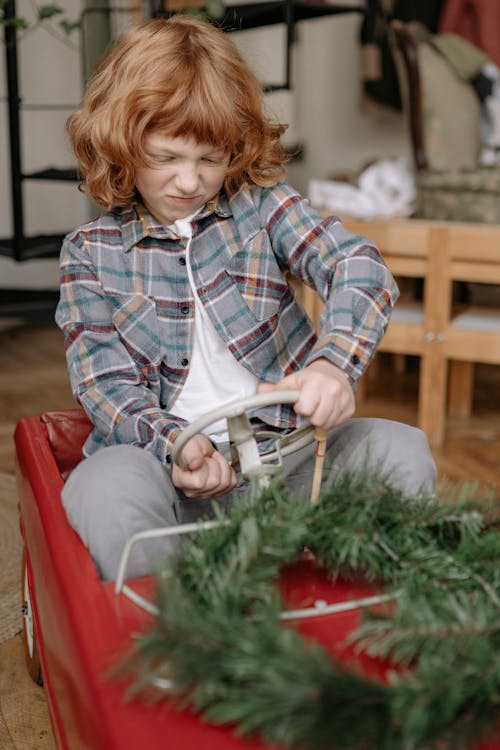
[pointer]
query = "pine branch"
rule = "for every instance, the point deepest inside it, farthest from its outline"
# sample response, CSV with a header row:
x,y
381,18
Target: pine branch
x,y
219,638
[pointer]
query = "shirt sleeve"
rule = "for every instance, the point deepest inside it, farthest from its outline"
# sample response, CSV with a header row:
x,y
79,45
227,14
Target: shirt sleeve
x,y
346,270
107,381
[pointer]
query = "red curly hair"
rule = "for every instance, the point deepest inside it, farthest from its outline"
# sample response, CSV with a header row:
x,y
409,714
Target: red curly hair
x,y
181,77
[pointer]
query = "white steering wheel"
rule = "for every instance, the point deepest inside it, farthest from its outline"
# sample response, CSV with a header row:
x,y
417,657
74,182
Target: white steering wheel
x,y
243,439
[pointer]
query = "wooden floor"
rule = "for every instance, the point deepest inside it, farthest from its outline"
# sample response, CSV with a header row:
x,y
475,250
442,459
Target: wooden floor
x,y
33,379
471,449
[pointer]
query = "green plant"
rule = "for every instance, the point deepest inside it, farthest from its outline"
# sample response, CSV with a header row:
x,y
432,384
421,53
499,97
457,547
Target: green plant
x,y
218,646
51,17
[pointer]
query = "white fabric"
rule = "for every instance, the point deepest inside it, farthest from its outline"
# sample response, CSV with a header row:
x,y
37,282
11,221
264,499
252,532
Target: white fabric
x,y
490,119
385,189
408,313
215,376
480,320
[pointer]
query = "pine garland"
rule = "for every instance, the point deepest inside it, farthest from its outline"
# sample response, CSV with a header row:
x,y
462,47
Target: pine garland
x,y
218,634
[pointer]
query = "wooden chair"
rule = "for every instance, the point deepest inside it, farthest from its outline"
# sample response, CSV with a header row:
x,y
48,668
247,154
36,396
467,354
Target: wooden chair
x,y
463,334
448,338
404,247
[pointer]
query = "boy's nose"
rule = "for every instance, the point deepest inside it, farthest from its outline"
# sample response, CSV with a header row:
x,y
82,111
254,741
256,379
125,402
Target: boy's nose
x,y
187,178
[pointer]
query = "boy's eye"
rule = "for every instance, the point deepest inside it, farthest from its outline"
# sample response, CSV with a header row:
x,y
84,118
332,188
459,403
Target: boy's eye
x,y
160,158
215,158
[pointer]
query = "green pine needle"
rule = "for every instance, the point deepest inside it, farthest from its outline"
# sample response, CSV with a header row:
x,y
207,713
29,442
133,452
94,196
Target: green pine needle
x,y
218,634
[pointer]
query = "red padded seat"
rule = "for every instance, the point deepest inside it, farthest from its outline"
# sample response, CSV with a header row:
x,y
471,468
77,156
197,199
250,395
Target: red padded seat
x,y
67,431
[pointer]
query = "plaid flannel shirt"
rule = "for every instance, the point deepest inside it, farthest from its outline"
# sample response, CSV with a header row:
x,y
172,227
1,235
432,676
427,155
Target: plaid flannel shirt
x,y
127,310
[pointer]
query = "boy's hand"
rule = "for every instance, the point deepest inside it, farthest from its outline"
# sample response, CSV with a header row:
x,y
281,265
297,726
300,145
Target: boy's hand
x,y
208,474
326,397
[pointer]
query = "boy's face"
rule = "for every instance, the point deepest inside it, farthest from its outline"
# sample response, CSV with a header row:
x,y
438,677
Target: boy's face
x,y
185,175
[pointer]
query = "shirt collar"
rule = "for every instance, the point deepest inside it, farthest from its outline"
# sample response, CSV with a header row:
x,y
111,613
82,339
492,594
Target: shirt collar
x,y
137,222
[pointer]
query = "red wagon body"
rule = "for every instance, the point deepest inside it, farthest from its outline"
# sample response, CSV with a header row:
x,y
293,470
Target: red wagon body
x,y
83,628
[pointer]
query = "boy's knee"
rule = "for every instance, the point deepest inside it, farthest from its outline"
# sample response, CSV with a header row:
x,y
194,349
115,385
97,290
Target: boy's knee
x,y
114,480
113,494
394,450
408,457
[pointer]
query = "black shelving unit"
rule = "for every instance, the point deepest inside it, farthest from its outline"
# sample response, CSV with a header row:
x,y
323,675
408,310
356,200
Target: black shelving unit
x,y
33,305
21,247
289,12
251,15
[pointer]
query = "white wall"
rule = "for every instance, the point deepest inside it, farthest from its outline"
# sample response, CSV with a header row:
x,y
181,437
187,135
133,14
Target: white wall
x,y
341,129
49,73
327,112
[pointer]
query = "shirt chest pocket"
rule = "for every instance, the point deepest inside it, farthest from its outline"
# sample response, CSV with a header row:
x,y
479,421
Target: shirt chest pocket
x,y
259,279
136,322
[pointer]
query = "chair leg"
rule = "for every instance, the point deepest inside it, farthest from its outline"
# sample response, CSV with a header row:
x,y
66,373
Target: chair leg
x,y
461,386
369,376
432,394
361,390
399,363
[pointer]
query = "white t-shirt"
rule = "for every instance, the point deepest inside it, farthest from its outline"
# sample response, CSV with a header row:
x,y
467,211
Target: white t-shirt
x,y
215,377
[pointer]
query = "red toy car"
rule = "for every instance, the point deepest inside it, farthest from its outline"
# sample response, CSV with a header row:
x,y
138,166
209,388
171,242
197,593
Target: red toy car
x,y
78,628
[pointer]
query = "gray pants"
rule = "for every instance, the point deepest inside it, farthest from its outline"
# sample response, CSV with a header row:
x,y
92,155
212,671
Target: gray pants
x,y
122,489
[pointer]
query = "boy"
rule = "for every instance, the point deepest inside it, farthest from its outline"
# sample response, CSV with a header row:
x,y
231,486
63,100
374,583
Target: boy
x,y
176,299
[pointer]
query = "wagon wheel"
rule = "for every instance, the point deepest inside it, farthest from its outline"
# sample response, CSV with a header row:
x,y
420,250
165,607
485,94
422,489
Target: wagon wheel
x,y
31,653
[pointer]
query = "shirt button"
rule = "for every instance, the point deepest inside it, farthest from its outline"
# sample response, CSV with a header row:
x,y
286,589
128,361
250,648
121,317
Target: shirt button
x,y
184,362
182,261
355,359
184,309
